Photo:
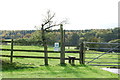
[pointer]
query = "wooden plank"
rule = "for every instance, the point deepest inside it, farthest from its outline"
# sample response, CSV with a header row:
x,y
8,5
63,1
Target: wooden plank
x,y
36,57
93,53
28,42
102,58
22,42
22,50
11,58
100,43
72,51
104,62
107,53
39,51
103,48
6,41
30,57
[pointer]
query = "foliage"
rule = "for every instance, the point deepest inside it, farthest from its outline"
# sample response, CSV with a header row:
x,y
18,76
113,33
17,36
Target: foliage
x,y
74,40
6,65
24,41
71,36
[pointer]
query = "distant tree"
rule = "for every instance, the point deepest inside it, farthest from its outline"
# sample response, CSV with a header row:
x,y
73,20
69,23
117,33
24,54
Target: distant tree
x,y
94,39
36,36
27,36
74,39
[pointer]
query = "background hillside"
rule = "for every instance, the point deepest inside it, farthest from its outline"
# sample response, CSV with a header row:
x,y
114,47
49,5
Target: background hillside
x,y
72,37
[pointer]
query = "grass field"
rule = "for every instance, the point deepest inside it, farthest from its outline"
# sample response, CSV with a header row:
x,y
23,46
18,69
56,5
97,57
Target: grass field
x,y
34,68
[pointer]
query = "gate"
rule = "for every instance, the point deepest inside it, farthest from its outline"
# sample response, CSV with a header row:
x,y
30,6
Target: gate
x,y
102,54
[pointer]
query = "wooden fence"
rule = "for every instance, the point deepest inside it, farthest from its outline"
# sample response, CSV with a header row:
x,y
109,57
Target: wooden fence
x,y
80,52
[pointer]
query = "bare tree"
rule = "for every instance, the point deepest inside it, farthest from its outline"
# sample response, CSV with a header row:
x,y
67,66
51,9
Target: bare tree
x,y
47,24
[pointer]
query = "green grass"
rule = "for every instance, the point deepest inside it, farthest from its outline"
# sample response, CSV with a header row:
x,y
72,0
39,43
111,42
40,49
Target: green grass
x,y
34,68
58,71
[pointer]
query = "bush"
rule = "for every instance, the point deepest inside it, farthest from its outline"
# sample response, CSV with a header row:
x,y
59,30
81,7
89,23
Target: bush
x,y
26,42
6,65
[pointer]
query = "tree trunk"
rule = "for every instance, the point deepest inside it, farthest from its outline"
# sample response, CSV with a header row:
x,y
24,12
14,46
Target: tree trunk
x,y
45,47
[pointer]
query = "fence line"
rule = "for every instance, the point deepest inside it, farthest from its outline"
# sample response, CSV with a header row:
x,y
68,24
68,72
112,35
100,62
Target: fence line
x,y
62,57
81,53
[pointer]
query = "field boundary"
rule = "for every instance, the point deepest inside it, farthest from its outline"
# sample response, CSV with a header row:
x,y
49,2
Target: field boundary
x,y
81,59
82,48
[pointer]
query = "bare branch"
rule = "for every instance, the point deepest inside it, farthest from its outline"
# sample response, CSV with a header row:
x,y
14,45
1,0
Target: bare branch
x,y
49,23
48,19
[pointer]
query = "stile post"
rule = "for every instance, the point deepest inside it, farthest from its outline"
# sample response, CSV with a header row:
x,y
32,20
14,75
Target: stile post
x,y
62,55
82,57
11,57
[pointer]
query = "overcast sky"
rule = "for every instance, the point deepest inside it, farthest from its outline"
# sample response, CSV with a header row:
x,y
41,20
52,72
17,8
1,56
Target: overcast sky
x,y
81,14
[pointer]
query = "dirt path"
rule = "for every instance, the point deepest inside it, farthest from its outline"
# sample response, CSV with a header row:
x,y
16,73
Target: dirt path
x,y
113,70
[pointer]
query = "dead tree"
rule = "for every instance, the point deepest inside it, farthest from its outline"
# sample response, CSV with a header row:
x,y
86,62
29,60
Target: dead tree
x,y
47,24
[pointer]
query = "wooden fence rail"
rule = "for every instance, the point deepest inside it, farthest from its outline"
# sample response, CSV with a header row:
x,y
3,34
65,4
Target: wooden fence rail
x,y
39,57
102,48
39,51
101,43
20,41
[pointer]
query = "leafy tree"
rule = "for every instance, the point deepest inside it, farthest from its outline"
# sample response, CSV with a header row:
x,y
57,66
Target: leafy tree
x,y
74,39
36,36
27,36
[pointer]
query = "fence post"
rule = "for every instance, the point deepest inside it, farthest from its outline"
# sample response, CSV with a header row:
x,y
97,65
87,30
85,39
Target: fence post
x,y
82,57
11,57
62,55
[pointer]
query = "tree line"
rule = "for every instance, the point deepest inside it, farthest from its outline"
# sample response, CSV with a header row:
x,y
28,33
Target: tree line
x,y
72,37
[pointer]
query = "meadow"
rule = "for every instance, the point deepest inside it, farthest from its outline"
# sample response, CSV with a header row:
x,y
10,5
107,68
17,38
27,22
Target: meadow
x,y
35,68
